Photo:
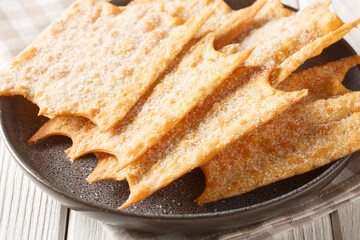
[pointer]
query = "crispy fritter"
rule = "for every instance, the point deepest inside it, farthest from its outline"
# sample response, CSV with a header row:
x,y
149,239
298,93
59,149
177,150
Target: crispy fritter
x,y
97,59
323,127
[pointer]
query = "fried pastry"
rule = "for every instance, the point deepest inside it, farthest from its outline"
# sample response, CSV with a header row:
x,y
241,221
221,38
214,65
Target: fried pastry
x,y
198,72
323,127
204,102
125,142
226,23
216,124
289,65
97,59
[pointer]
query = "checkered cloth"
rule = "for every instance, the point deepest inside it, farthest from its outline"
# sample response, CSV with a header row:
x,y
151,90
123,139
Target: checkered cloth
x,y
22,20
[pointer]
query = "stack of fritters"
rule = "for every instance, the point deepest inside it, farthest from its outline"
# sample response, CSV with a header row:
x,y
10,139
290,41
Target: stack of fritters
x,y
158,88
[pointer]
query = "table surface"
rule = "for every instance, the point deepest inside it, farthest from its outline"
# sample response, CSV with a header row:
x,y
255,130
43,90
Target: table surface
x,y
28,213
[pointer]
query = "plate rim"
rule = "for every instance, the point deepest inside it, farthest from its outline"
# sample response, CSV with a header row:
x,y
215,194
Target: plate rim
x,y
336,165
294,194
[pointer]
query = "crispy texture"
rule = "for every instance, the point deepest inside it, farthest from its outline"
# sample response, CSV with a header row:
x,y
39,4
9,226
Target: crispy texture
x,y
226,23
127,151
272,11
308,135
207,134
290,33
269,17
195,76
311,50
76,66
90,143
204,132
255,32
104,167
228,117
321,82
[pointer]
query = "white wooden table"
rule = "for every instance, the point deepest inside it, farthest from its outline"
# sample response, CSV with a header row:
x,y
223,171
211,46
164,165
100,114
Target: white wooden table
x,y
28,213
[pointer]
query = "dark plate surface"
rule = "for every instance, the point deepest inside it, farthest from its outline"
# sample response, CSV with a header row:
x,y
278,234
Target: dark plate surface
x,y
172,206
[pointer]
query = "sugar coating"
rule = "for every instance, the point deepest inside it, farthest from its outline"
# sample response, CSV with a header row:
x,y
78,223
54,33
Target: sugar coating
x,y
308,135
228,118
205,131
226,23
285,32
270,12
117,143
217,122
171,99
195,74
97,59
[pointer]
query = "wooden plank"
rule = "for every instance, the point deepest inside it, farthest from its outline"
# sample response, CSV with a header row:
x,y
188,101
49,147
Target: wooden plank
x,y
304,3
348,10
25,211
317,229
336,226
346,220
83,227
291,3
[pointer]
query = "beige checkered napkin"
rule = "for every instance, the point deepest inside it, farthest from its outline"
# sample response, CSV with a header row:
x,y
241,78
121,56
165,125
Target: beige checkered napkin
x,y
22,20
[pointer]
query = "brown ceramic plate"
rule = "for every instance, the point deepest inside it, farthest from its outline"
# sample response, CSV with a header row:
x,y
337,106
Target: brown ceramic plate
x,y
172,208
